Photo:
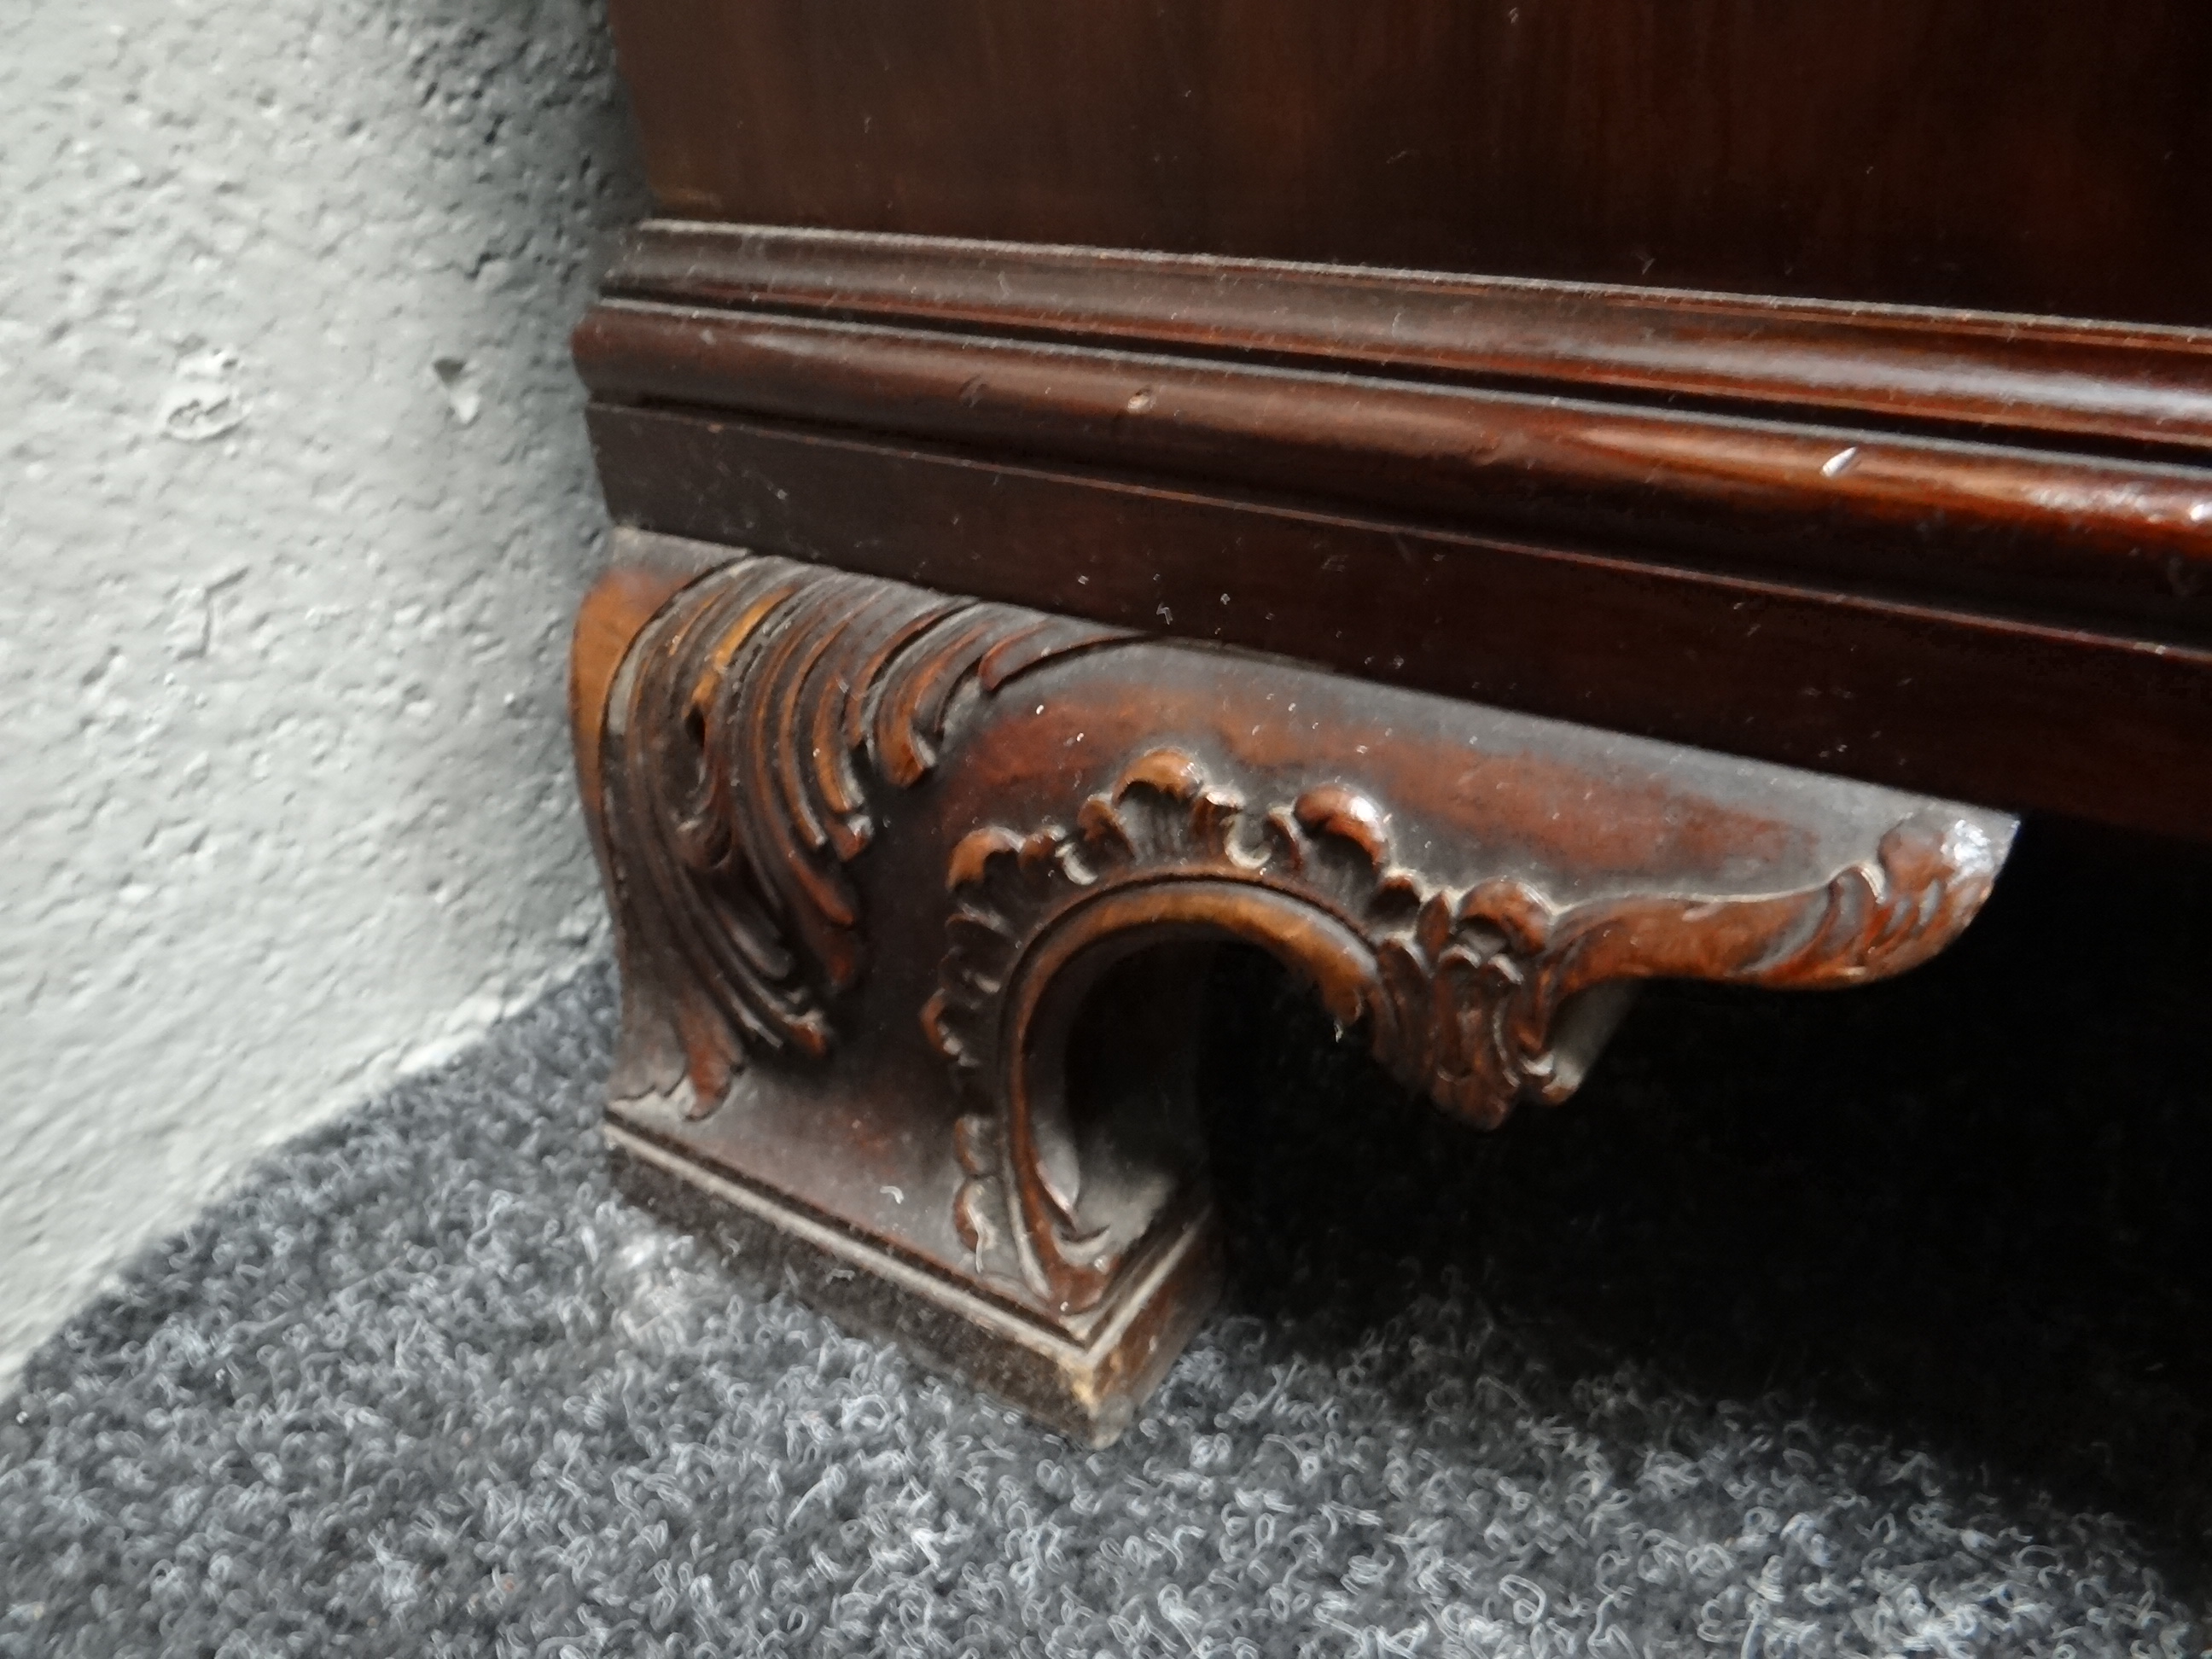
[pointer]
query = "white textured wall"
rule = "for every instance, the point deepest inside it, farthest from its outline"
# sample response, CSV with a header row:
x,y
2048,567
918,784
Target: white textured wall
x,y
294,507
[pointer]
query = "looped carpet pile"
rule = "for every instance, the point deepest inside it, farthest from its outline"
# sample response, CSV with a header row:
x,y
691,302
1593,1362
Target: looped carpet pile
x,y
1649,1376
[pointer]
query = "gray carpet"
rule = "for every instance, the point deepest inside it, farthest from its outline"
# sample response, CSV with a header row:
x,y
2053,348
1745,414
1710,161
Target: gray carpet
x,y
425,1386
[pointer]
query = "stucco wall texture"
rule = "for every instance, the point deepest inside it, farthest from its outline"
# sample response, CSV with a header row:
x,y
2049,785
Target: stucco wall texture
x,y
295,508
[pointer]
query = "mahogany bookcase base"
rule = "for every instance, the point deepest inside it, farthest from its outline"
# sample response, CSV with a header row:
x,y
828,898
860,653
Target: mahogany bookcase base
x,y
879,857
1417,541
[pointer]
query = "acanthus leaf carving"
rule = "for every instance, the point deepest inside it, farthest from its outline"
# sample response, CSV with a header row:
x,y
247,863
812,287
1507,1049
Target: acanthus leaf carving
x,y
747,731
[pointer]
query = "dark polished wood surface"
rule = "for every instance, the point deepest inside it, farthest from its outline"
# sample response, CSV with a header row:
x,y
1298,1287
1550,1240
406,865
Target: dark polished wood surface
x,y
1946,460
2026,155
1153,473
2012,715
872,850
2131,389
1962,552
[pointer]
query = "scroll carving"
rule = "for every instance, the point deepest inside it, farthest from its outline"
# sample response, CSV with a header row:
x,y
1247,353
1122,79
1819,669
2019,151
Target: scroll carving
x,y
1476,997
749,727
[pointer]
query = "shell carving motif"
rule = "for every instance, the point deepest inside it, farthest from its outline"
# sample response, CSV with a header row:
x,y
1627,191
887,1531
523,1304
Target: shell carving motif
x,y
1476,997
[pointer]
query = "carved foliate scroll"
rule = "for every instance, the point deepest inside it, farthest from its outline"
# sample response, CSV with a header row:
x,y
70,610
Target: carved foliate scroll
x,y
1476,997
749,728
821,813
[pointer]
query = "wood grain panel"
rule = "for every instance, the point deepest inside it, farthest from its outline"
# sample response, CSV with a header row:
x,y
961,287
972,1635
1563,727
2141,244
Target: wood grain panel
x,y
2027,155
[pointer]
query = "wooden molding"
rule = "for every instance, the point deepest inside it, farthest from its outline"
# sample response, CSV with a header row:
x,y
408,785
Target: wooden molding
x,y
2025,715
1814,441
2030,530
1950,551
2138,386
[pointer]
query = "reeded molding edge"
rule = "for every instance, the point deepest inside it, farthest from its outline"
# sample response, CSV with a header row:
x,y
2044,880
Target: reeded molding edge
x,y
2134,384
1802,476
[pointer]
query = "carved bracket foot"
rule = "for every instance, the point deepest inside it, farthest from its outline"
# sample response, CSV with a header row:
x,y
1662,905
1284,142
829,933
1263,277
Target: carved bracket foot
x,y
875,854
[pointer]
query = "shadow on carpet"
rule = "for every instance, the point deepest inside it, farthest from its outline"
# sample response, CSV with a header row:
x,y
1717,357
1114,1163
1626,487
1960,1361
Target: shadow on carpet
x,y
1871,1324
